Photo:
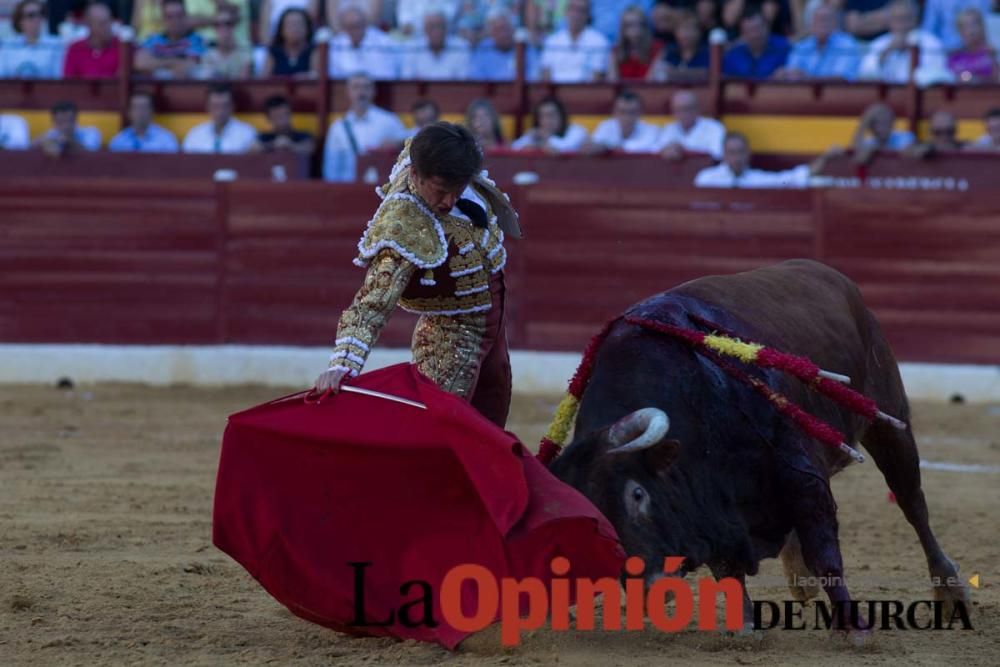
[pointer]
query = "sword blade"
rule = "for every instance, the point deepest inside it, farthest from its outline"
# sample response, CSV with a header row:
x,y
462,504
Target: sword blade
x,y
379,394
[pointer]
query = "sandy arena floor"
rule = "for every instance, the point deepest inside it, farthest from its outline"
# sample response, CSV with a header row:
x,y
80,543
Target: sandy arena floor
x,y
106,554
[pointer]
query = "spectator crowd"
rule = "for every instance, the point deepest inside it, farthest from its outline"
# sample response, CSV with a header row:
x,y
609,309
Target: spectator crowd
x,y
571,41
564,41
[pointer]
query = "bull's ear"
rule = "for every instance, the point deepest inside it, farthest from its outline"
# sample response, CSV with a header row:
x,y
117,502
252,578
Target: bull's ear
x,y
662,455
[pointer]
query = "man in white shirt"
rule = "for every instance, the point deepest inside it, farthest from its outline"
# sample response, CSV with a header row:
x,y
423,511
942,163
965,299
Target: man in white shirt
x,y
363,128
410,13
436,56
735,172
577,53
13,133
223,133
690,133
142,135
362,49
888,57
625,131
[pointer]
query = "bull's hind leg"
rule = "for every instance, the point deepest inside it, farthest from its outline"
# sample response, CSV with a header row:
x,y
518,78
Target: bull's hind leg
x,y
895,454
801,582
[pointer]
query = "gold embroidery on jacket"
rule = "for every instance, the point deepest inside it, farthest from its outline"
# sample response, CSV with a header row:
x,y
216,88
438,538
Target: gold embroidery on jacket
x,y
387,277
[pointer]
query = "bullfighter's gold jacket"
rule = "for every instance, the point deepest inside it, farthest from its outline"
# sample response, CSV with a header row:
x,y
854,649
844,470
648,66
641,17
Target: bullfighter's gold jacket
x,y
436,266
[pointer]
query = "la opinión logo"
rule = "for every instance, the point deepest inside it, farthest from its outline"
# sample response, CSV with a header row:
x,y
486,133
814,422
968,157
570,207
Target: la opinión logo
x,y
552,602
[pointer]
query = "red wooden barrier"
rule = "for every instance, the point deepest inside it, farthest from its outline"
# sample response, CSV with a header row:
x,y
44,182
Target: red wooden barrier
x,y
185,262
151,166
108,262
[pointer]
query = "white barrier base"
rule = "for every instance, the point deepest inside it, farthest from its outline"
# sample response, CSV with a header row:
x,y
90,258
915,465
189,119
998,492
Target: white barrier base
x,y
219,365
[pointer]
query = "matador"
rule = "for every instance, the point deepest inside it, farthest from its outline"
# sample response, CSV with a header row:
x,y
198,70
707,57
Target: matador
x,y
435,248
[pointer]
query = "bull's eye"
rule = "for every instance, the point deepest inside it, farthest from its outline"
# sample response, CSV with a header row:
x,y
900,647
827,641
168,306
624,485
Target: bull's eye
x,y
636,499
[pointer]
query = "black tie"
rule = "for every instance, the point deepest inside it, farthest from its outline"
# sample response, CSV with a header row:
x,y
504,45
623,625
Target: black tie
x,y
474,212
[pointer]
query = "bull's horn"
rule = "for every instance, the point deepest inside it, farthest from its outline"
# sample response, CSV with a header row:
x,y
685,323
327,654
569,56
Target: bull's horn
x,y
639,430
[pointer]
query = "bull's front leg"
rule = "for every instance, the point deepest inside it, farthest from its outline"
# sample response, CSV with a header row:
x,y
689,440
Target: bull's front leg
x,y
722,570
814,516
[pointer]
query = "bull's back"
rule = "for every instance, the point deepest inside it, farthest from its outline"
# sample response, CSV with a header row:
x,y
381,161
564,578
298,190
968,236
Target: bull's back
x,y
801,306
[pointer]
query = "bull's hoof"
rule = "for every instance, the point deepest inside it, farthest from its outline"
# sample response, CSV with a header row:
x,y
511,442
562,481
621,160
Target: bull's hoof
x,y
747,633
949,596
950,589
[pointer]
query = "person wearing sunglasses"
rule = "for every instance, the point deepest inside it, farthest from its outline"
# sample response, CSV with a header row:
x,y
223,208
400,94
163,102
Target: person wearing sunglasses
x,y
32,53
227,59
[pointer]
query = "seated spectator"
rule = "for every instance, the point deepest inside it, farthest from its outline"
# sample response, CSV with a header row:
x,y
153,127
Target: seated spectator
x,y
65,137
282,136
991,140
363,128
221,133
975,60
826,53
944,137
690,132
32,53
495,58
174,52
410,14
735,171
552,131
470,19
483,121
888,57
362,49
606,15
436,56
709,15
758,54
147,18
940,18
866,19
777,15
227,59
634,53
687,58
292,53
424,113
143,135
96,56
577,53
541,18
13,133
271,11
875,133
625,130
663,22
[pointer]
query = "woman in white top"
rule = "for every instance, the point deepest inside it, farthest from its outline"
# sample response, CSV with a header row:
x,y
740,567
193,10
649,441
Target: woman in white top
x,y
552,132
33,53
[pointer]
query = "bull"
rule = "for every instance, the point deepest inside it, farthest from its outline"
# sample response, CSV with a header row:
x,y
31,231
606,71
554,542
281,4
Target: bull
x,y
685,461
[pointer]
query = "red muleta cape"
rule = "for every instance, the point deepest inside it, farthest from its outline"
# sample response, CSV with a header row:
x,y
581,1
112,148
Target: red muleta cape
x,y
304,489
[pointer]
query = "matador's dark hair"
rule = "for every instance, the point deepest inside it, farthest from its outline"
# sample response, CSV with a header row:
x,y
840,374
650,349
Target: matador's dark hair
x,y
446,151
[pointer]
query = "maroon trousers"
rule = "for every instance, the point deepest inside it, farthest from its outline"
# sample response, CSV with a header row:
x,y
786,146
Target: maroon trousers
x,y
491,396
